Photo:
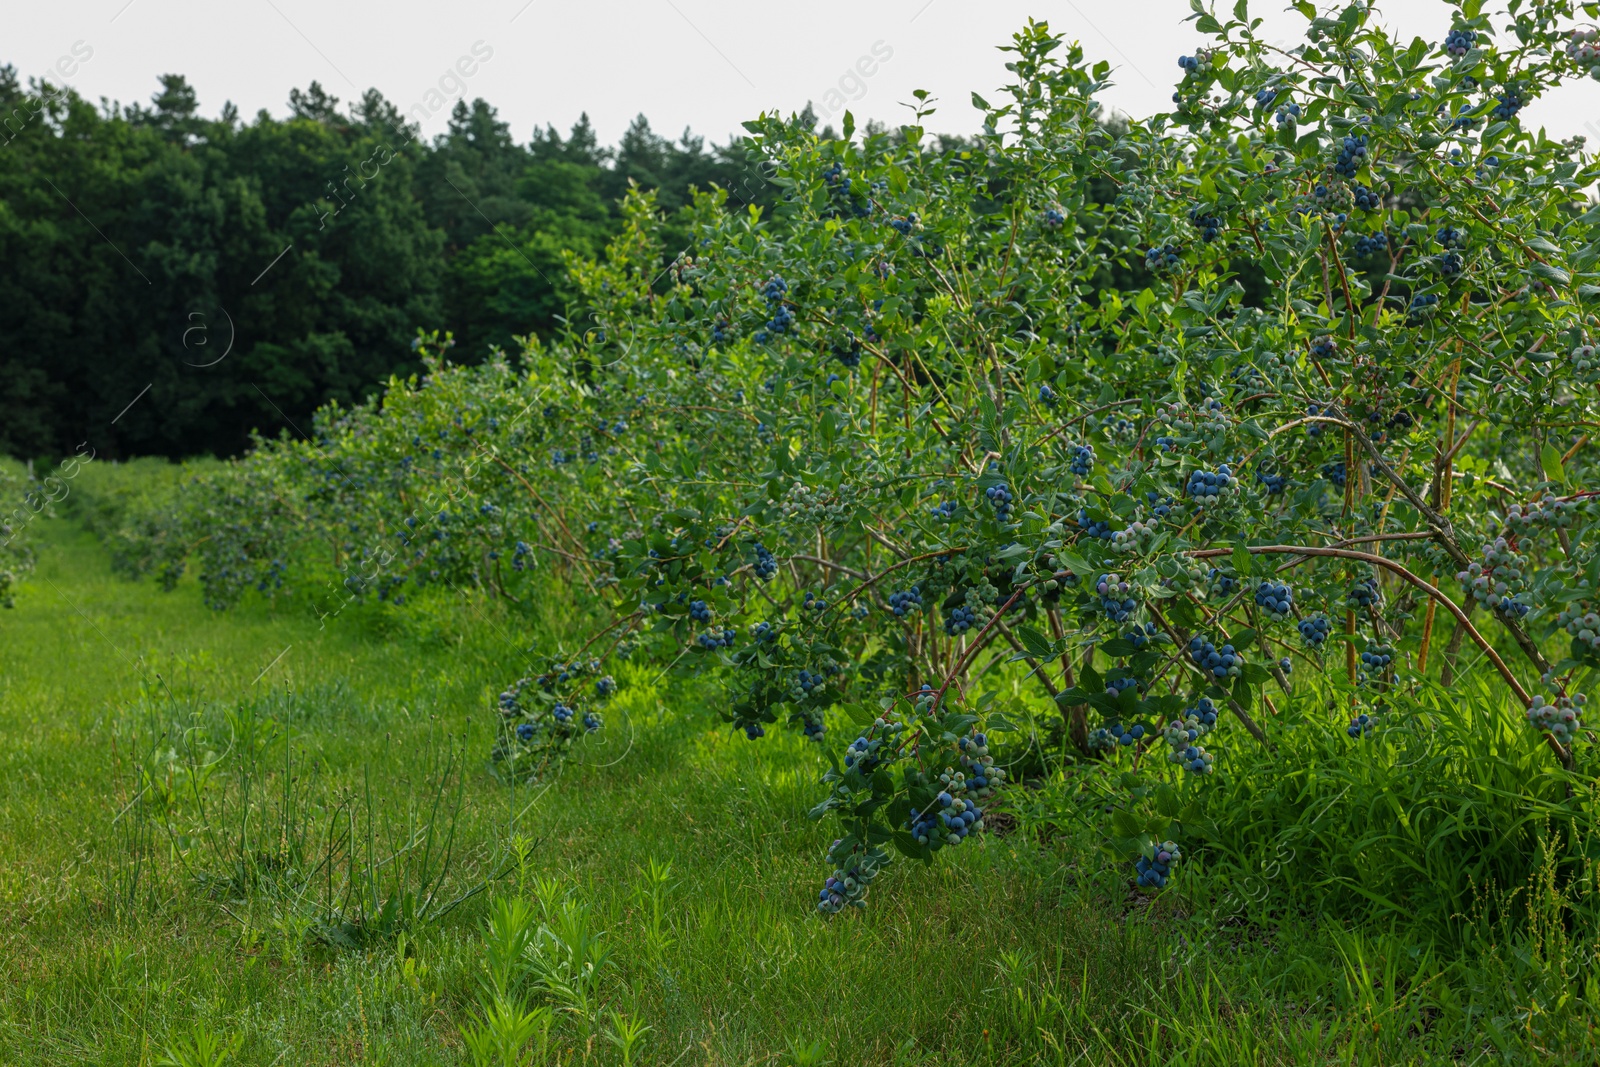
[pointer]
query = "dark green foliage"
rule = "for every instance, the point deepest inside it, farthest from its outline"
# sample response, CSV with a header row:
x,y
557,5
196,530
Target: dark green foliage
x,y
139,245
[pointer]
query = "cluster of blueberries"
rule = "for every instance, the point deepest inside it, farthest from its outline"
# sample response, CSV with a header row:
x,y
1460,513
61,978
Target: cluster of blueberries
x,y
1132,537
1559,718
1098,528
1181,735
1458,42
776,292
1082,462
699,611
862,755
1054,218
1582,623
1498,579
1287,114
1047,395
273,578
1509,103
945,511
1274,483
1117,735
1163,258
520,554
1116,686
960,620
1584,359
1116,597
847,886
1376,659
1140,636
1275,599
1549,511
1360,725
906,602
982,777
1219,663
848,351
766,566
1421,308
1366,245
1315,630
1366,199
1463,119
1210,226
1351,152
1363,595
946,822
805,683
713,639
1206,487
1001,499
528,727
1154,869
1222,584
903,224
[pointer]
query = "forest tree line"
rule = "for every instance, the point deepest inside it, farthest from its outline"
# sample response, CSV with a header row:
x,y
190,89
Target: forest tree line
x,y
138,244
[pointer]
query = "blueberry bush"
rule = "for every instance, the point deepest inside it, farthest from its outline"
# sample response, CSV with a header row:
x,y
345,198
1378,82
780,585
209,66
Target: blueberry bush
x,y
21,503
1254,435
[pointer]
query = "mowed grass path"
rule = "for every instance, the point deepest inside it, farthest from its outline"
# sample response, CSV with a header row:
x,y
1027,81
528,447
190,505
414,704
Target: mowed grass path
x,y
1002,953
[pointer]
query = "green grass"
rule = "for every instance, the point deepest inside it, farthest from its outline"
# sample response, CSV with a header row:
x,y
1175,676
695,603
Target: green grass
x,y
117,944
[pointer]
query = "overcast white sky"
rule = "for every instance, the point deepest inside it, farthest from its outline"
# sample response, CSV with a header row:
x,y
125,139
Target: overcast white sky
x,y
705,64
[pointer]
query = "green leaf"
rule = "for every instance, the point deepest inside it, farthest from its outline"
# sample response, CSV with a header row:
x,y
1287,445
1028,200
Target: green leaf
x,y
1037,644
898,813
1105,703
1120,647
908,846
1554,274
1091,679
1124,824
1243,639
1550,460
